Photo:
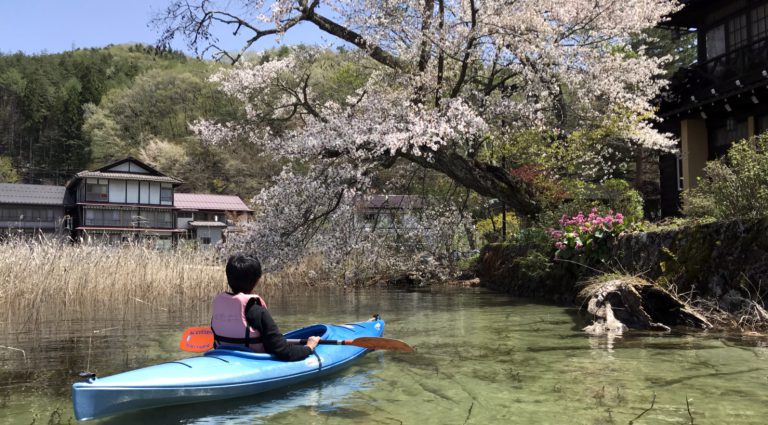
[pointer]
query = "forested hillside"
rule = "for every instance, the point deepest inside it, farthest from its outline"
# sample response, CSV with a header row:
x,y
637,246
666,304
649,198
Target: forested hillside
x,y
63,113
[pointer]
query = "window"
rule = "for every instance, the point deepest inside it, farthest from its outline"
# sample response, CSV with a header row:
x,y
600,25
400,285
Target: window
x,y
36,214
139,219
144,192
166,194
736,130
737,32
151,218
760,22
166,219
112,218
679,172
715,41
94,217
97,190
10,214
205,240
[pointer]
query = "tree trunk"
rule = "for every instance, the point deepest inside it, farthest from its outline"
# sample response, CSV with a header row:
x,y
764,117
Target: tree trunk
x,y
631,303
485,179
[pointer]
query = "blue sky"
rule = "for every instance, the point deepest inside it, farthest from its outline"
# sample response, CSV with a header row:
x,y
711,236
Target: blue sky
x,y
52,26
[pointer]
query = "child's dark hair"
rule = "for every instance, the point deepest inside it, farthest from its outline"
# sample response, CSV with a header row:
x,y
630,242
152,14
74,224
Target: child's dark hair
x,y
243,271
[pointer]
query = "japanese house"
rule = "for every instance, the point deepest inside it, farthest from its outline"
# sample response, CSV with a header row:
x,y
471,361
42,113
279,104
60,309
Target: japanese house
x,y
123,202
722,97
127,201
27,209
389,213
208,218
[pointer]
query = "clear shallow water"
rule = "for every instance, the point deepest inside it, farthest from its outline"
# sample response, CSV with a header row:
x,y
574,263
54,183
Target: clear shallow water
x,y
482,358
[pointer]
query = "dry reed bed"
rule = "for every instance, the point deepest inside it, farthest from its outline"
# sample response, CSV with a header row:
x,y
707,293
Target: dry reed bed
x,y
81,280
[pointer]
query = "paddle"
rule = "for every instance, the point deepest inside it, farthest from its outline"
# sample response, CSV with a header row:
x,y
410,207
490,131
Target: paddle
x,y
199,339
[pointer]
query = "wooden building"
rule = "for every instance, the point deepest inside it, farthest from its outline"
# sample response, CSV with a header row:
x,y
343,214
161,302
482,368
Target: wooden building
x,y
388,213
208,218
722,97
27,209
123,202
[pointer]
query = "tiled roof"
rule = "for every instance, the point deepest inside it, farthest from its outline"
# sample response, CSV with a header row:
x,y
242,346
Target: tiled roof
x,y
200,201
405,202
127,176
31,194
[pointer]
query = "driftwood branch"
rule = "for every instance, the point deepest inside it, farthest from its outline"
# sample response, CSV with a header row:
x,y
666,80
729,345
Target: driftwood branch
x,y
653,401
688,407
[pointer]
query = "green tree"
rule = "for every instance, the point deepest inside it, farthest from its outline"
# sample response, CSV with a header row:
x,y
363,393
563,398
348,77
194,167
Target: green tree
x,y
735,186
7,172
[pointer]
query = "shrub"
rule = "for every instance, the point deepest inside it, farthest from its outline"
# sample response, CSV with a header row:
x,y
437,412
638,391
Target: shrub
x,y
611,195
735,186
587,237
490,228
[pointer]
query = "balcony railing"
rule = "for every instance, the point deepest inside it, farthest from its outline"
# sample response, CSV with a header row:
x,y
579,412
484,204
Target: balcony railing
x,y
732,72
736,62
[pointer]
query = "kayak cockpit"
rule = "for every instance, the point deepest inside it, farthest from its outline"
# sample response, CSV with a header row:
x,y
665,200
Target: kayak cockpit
x,y
245,352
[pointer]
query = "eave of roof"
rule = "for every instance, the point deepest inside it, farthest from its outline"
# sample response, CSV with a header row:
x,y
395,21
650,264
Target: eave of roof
x,y
131,229
127,176
399,202
207,224
688,16
142,164
127,206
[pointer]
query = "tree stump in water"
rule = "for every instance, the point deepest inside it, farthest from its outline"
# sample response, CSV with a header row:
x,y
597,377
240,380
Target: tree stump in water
x,y
621,304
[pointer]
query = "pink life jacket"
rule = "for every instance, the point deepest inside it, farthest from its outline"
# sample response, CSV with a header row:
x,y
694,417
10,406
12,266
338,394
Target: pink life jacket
x,y
228,321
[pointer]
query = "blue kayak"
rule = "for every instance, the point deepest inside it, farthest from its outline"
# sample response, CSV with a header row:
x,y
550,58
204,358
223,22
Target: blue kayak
x,y
218,374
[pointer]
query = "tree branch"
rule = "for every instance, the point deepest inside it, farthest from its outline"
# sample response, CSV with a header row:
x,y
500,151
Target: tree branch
x,y
485,179
346,34
467,51
425,50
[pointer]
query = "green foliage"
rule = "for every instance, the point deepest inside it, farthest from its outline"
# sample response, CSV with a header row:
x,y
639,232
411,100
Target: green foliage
x,y
612,195
7,172
735,186
469,263
43,100
661,42
529,253
490,229
588,238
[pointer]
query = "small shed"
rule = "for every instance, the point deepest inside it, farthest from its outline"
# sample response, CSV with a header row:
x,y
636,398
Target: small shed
x,y
208,218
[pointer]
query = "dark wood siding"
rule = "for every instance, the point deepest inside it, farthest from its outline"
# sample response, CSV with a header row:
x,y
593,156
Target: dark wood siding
x,y
670,196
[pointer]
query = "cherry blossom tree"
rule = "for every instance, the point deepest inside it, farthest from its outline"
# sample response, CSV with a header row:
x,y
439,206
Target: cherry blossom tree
x,y
447,80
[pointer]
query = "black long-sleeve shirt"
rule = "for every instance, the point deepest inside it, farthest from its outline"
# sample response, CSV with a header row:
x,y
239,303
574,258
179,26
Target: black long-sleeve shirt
x,y
274,342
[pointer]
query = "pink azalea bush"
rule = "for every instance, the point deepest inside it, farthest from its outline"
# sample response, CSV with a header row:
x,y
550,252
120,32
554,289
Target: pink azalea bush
x,y
587,235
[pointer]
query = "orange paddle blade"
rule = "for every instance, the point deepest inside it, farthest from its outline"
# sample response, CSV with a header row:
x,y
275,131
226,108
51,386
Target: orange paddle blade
x,y
197,339
378,343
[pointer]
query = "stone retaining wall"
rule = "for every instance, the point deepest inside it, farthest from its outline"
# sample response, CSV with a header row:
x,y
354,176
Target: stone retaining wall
x,y
709,259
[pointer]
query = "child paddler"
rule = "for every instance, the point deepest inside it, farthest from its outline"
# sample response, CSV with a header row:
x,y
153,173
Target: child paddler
x,y
240,317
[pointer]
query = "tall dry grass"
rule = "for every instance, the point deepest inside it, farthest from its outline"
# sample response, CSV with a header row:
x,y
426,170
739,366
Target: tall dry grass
x,y
40,278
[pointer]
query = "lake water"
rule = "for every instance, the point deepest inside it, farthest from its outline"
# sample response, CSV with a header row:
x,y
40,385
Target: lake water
x,y
482,358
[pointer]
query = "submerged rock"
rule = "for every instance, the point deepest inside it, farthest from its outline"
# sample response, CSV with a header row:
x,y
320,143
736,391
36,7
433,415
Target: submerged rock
x,y
620,304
